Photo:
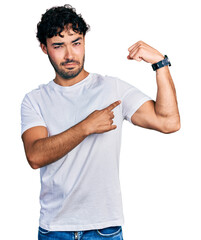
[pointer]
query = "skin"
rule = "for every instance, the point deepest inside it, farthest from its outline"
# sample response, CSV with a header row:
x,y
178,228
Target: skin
x,y
163,114
67,57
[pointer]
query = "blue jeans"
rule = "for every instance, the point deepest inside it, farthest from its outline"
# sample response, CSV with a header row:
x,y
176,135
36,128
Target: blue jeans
x,y
114,233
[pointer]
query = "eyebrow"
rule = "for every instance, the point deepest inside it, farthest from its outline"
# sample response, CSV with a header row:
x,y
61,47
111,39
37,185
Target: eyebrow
x,y
61,43
57,44
77,39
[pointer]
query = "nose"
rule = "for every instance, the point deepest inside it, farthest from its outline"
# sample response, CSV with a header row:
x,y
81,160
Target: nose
x,y
68,53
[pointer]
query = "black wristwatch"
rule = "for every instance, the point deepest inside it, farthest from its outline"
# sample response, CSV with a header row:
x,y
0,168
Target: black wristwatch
x,y
161,64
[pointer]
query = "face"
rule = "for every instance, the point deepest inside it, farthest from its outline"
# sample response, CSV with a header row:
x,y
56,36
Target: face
x,y
66,54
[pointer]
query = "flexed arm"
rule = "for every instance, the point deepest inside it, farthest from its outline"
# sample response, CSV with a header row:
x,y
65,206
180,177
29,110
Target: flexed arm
x,y
162,114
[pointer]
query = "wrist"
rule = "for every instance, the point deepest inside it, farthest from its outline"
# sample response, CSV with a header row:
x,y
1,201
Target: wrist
x,y
163,70
158,59
162,63
84,128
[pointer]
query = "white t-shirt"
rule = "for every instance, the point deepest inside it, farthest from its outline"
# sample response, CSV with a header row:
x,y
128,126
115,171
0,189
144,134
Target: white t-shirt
x,y
81,191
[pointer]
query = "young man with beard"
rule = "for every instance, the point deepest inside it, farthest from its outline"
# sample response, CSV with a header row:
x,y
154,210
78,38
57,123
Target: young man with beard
x,y
71,130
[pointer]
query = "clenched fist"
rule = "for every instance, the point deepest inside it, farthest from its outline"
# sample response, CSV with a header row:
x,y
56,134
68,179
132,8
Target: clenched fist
x,y
142,51
101,121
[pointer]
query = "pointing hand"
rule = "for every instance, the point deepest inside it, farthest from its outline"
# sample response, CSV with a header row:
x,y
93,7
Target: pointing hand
x,y
101,121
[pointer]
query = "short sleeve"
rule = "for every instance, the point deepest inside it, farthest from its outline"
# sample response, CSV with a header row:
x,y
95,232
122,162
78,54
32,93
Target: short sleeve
x,y
30,117
132,98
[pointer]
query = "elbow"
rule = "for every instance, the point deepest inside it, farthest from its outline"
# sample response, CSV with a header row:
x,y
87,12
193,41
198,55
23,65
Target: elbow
x,y
32,162
172,129
34,166
171,126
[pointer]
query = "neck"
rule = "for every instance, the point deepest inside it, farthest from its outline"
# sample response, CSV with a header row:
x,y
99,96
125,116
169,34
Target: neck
x,y
69,82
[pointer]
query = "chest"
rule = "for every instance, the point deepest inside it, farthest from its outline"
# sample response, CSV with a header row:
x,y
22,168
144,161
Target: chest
x,y
62,110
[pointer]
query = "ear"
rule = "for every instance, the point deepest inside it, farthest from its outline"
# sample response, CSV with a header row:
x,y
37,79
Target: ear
x,y
44,48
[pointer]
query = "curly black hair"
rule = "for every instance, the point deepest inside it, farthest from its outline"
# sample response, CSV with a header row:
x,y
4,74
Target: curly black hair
x,y
55,19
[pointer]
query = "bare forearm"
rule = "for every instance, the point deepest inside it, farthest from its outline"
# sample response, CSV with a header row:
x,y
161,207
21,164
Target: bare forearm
x,y
47,150
166,100
50,149
164,112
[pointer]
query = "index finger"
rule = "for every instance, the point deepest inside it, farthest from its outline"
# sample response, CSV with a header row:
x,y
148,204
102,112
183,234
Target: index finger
x,y
136,45
113,105
131,47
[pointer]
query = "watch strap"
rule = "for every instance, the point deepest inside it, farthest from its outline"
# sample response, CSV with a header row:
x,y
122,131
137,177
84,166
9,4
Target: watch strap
x,y
161,63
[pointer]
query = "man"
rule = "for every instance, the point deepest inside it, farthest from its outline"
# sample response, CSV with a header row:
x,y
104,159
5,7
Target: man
x,y
71,130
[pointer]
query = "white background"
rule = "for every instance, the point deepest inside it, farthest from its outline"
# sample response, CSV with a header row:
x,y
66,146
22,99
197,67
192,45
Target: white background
x,y
160,174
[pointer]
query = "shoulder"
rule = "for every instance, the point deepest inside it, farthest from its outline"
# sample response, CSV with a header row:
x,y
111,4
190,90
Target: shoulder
x,y
106,78
115,82
35,94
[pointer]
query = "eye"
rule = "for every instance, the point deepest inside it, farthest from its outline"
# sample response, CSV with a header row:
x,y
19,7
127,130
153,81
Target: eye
x,y
58,46
76,43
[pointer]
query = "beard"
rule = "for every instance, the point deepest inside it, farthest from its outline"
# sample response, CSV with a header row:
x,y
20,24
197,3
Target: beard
x,y
67,74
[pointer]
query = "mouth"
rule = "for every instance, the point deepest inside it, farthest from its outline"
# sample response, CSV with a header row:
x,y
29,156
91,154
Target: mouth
x,y
69,63
70,66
